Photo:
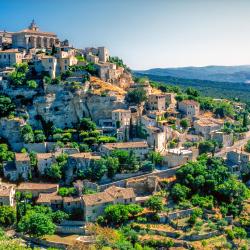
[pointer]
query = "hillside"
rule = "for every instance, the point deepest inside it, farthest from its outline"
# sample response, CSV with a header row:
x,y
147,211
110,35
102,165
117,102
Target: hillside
x,y
212,73
211,88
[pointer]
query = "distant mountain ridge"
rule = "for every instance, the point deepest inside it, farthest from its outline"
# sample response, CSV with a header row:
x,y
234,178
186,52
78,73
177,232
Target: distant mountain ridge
x,y
235,74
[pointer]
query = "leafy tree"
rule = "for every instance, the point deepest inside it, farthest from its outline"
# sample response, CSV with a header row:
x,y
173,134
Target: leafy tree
x,y
27,134
65,191
207,146
247,146
155,204
5,154
59,216
156,157
112,165
6,106
36,224
87,125
184,123
54,172
245,120
96,170
7,215
180,192
192,92
136,96
32,84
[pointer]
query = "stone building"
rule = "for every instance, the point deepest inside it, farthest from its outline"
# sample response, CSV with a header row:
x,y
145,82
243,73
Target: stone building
x,y
140,148
157,102
237,160
189,108
95,204
10,57
32,37
206,126
224,139
5,39
121,117
37,188
7,194
19,169
44,161
179,156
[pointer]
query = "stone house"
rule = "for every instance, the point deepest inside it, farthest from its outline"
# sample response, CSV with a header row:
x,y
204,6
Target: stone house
x,y
7,194
37,188
205,126
95,204
223,138
144,186
179,156
44,161
10,57
238,161
140,148
156,138
20,168
52,200
157,102
72,203
47,64
121,117
189,108
79,162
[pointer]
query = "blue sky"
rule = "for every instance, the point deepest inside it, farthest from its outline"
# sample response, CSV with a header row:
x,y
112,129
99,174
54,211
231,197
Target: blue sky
x,y
145,33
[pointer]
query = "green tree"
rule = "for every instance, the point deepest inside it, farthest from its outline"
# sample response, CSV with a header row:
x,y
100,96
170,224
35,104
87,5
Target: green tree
x,y
112,165
7,215
136,96
155,204
27,134
87,125
247,146
180,192
6,106
245,120
36,224
59,216
184,123
207,146
156,157
32,84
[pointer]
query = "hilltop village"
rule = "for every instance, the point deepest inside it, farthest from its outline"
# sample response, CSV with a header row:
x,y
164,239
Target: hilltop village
x,y
109,160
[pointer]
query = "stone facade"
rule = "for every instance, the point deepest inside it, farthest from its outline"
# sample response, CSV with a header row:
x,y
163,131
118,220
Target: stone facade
x,y
10,57
95,204
140,148
205,126
32,37
189,108
7,194
157,102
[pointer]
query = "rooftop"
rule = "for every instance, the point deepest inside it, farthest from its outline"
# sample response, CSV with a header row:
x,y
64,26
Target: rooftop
x,y
22,157
47,198
36,186
121,110
190,102
86,155
125,193
98,198
125,145
5,189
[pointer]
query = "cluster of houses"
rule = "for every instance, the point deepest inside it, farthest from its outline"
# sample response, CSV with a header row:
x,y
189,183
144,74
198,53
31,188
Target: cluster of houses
x,y
48,54
158,119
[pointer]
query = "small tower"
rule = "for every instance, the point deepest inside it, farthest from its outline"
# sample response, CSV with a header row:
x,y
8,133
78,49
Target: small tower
x,y
33,26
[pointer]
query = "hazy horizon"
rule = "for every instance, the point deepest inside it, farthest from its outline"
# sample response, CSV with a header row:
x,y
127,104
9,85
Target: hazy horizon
x,y
145,34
